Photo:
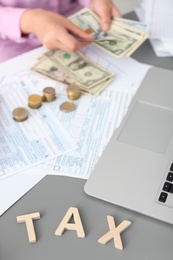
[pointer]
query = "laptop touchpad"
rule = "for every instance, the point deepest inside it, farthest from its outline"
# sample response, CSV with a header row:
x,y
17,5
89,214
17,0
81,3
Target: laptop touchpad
x,y
149,127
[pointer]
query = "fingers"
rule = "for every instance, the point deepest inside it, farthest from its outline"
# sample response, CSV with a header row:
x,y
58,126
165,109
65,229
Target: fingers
x,y
61,39
69,42
54,32
106,10
105,18
58,45
69,48
116,12
106,15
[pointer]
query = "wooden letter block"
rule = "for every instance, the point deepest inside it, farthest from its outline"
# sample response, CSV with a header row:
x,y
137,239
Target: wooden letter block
x,y
28,219
77,225
114,232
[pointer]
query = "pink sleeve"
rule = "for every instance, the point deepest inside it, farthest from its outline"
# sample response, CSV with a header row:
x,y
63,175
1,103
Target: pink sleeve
x,y
84,2
10,23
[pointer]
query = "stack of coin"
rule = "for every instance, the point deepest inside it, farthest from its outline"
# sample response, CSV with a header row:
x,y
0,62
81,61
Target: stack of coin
x,y
67,106
73,92
49,94
20,114
34,101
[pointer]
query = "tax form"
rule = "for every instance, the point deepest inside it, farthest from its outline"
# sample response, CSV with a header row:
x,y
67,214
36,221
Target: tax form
x,y
25,144
93,122
90,125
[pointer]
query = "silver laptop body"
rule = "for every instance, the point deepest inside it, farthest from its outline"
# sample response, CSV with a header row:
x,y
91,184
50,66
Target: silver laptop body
x,y
136,168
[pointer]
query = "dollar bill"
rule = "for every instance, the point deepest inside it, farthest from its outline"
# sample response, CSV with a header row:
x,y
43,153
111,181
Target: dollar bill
x,y
85,73
95,91
48,68
136,24
118,41
138,34
87,21
121,44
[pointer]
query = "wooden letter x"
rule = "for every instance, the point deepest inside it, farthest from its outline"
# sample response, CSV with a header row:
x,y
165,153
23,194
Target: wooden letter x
x,y
114,232
29,224
77,225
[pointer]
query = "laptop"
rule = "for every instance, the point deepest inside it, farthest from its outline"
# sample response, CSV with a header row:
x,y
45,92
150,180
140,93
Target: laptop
x,y
135,170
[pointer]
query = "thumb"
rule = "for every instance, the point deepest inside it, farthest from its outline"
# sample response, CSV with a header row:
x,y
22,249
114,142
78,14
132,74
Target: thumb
x,y
116,12
105,18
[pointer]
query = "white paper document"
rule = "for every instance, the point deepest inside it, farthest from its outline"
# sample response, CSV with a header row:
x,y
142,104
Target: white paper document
x,y
14,187
79,137
1,78
92,123
40,138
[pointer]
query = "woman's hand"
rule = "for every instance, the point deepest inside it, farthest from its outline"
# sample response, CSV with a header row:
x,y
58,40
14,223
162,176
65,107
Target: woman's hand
x,y
53,30
106,10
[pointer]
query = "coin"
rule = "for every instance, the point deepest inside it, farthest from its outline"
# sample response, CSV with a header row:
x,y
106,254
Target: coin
x,y
49,91
20,114
89,30
34,101
49,94
73,92
44,99
67,106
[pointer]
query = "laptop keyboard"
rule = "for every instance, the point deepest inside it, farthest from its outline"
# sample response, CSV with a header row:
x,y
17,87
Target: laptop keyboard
x,y
167,189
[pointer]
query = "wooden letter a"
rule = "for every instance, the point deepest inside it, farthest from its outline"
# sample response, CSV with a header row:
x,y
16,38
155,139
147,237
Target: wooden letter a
x,y
77,225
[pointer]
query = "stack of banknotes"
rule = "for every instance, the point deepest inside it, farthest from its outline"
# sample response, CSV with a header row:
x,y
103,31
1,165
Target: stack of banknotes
x,y
121,40
75,68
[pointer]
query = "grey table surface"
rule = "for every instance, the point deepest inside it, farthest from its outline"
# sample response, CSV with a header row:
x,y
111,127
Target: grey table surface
x,y
145,239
